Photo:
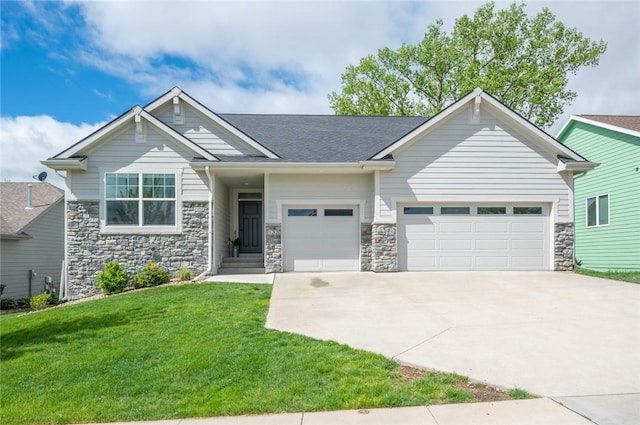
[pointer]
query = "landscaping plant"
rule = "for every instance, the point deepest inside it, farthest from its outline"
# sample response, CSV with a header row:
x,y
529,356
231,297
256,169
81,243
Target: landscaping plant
x,y
150,275
185,274
113,279
40,301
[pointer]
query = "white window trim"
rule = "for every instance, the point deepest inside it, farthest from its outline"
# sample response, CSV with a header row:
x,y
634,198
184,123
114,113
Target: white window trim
x,y
140,229
586,210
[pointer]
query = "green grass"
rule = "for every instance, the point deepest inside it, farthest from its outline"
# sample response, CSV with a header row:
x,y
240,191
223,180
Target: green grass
x,y
188,351
633,277
518,394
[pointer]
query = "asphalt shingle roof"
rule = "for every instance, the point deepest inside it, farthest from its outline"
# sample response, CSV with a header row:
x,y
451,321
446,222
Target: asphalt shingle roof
x,y
630,122
14,218
323,138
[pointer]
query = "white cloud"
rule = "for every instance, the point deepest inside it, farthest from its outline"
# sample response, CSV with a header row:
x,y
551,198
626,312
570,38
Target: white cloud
x,y
231,53
25,141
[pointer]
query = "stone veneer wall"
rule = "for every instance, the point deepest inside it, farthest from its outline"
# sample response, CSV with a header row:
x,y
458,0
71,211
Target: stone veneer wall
x,y
563,246
273,249
384,248
89,250
365,247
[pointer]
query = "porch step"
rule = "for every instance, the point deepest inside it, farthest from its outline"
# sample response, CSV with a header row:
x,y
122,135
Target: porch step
x,y
244,264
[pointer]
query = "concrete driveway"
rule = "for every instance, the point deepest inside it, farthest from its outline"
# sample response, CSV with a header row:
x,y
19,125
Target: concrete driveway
x,y
573,338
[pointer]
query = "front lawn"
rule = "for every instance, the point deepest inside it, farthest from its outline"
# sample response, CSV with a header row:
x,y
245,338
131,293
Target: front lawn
x,y
633,277
189,351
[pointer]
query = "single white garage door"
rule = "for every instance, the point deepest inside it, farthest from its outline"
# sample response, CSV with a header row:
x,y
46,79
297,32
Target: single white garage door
x,y
324,238
473,237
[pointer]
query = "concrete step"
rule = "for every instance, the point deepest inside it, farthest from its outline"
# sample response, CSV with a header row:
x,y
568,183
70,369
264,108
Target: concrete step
x,y
241,270
244,258
242,265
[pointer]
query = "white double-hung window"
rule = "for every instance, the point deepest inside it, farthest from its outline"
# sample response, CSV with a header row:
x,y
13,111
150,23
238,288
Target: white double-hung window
x,y
597,210
140,199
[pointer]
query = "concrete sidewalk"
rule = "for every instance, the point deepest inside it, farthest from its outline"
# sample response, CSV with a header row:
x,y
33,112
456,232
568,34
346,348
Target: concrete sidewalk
x,y
541,411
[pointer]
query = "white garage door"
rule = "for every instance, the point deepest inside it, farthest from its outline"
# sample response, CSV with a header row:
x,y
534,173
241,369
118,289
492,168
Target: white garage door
x,y
473,237
324,238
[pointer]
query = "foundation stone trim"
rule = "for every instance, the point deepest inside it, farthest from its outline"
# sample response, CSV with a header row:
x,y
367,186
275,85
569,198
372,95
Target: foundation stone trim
x,y
88,250
384,248
273,249
564,239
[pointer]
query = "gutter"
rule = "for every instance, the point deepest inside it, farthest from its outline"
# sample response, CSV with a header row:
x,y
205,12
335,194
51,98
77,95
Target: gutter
x,y
210,231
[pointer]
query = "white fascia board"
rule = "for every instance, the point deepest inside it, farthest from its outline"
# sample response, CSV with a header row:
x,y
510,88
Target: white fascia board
x,y
576,166
384,165
598,124
99,134
189,144
67,163
287,167
443,115
211,115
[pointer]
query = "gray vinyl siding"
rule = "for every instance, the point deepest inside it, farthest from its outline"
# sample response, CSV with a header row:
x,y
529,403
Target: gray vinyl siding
x,y
487,160
204,132
222,220
157,154
43,253
321,187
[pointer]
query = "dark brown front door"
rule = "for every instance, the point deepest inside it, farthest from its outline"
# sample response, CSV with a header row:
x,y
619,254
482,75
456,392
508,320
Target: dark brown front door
x,y
250,226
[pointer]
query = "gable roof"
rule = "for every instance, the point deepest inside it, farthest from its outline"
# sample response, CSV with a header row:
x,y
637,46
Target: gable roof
x,y
14,217
176,92
323,138
480,98
627,124
72,154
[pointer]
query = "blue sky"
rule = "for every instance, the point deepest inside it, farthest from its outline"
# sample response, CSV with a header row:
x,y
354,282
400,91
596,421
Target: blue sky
x,y
69,67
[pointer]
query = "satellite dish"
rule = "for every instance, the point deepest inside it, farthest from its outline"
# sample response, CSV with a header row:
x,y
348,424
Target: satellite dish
x,y
42,176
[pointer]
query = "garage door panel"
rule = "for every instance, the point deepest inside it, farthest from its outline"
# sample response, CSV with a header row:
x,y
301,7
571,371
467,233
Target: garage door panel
x,y
527,244
455,228
491,227
527,227
453,262
492,244
455,244
492,263
500,241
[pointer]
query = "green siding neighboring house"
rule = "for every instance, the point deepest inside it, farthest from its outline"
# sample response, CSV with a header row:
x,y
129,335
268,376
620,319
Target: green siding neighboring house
x,y
607,199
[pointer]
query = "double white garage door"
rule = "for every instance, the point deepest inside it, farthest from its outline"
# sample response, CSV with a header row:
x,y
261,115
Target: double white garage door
x,y
429,237
473,237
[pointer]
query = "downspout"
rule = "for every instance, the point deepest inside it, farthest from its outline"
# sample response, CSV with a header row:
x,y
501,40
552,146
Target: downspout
x,y
64,282
210,231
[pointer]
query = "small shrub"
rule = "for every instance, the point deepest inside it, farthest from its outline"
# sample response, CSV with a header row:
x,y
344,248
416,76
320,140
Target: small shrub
x,y
113,279
150,275
43,300
24,302
8,304
185,274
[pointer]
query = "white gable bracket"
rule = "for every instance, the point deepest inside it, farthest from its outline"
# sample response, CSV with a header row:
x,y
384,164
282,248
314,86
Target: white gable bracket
x,y
475,112
178,116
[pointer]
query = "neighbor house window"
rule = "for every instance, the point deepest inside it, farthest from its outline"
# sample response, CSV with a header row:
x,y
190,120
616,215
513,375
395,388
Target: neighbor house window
x,y
598,211
134,199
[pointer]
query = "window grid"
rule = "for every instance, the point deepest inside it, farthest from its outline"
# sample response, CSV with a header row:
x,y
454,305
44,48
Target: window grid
x,y
126,205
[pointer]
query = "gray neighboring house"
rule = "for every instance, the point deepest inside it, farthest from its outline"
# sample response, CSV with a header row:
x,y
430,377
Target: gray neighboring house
x,y
476,187
31,237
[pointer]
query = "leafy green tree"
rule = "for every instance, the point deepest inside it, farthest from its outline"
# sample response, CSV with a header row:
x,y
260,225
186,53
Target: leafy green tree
x,y
523,61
